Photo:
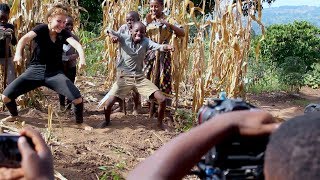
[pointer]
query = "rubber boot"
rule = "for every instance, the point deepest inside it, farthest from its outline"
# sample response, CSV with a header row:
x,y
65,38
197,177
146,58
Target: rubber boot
x,y
62,102
107,120
12,107
78,111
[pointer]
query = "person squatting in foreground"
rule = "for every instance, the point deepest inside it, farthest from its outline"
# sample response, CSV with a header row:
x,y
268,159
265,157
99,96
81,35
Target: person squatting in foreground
x,y
7,27
293,151
46,63
133,49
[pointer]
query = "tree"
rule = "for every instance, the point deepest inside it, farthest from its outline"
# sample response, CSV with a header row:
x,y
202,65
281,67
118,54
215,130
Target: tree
x,y
92,19
299,39
293,49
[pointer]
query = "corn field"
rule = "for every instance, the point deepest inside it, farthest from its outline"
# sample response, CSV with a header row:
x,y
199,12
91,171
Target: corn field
x,y
229,44
196,69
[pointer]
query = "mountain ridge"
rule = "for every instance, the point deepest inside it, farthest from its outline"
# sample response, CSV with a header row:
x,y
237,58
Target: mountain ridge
x,y
289,14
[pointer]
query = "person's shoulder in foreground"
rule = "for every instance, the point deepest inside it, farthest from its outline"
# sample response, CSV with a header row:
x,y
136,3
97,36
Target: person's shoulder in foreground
x,y
292,153
175,159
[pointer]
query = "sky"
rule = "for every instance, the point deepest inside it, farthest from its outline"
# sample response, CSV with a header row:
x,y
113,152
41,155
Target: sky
x,y
278,3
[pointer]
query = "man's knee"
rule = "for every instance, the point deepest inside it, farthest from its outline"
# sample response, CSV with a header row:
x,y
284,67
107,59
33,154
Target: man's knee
x,y
5,99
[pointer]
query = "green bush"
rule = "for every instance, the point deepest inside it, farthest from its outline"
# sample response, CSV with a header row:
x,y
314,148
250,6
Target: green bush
x,y
94,49
291,72
298,39
183,120
288,52
312,77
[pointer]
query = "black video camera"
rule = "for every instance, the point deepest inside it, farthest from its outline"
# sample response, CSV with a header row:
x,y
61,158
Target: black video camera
x,y
237,157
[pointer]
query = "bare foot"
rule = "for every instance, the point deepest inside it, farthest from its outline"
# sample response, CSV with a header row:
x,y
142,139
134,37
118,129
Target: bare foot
x,y
103,124
135,112
11,119
85,126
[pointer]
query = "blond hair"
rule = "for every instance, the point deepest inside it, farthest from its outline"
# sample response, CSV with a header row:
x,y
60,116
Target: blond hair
x,y
57,9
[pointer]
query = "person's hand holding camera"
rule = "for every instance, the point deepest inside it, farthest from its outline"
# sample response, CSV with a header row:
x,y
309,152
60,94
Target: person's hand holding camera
x,y
178,156
253,123
36,163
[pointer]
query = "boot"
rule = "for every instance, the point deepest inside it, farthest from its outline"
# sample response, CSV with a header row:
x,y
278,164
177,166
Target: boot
x,y
78,111
107,120
12,107
62,102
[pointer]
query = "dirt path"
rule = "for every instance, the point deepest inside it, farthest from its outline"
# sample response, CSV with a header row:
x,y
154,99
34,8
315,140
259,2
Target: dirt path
x,y
114,151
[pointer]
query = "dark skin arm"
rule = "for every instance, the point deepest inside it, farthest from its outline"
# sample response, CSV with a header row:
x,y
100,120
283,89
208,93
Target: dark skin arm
x,y
177,30
114,38
36,163
175,159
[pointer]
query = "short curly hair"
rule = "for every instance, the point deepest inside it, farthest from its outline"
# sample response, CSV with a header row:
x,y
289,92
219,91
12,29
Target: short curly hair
x,y
293,151
159,1
57,9
4,8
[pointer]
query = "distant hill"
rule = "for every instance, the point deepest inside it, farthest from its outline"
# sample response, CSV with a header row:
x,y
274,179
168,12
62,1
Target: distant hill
x,y
288,14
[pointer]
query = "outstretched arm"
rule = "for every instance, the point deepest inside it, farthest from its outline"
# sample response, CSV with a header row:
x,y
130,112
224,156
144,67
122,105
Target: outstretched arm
x,y
175,159
177,30
21,44
114,35
162,47
75,44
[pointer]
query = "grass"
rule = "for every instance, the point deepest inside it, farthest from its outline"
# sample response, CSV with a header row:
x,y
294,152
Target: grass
x,y
301,102
94,49
184,120
112,172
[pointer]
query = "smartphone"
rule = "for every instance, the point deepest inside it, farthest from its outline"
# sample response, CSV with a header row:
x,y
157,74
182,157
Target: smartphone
x,y
9,152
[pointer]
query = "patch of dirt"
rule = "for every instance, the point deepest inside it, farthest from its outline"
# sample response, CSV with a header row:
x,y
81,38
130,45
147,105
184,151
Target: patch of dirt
x,y
88,154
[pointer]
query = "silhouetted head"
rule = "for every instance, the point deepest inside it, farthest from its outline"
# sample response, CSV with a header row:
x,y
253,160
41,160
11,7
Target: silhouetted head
x,y
4,13
293,151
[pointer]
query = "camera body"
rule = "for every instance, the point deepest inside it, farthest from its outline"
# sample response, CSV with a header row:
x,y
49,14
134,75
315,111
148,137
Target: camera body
x,y
237,157
10,156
